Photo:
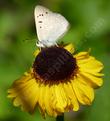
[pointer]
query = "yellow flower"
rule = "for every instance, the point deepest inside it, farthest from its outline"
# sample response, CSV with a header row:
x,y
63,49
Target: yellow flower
x,y
58,81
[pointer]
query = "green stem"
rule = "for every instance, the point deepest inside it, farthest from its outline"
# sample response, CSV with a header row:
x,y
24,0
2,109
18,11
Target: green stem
x,y
60,118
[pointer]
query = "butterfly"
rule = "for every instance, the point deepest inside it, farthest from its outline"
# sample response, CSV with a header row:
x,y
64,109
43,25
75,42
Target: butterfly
x,y
50,26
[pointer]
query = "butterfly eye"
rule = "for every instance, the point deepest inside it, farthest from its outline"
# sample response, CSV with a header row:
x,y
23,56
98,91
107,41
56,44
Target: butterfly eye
x,y
46,12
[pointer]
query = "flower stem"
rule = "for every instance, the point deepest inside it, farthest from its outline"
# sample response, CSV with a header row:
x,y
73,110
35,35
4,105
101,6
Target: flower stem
x,y
60,118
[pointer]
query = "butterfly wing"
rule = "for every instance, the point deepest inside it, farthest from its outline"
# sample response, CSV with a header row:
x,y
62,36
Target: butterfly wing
x,y
50,26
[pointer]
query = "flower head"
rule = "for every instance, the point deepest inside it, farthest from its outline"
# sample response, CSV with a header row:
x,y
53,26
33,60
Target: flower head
x,y
58,81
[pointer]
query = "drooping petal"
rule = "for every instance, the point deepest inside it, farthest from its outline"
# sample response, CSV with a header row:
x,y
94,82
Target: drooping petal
x,y
72,99
25,94
83,92
89,64
92,80
59,97
89,69
48,100
41,98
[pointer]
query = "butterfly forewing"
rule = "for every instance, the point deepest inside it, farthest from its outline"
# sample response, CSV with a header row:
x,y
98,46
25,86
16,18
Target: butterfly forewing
x,y
50,26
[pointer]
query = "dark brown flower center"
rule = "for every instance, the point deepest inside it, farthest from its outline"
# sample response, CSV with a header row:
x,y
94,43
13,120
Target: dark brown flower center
x,y
54,64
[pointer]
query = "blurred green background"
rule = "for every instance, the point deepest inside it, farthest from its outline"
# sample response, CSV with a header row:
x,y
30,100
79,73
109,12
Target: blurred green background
x,y
90,28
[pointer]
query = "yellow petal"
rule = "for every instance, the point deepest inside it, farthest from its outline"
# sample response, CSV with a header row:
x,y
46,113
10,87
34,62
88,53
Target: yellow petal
x,y
90,65
25,94
48,101
36,52
84,93
94,81
41,98
59,98
71,96
70,48
81,55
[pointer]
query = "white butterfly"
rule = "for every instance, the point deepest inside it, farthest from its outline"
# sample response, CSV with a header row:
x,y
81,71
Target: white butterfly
x,y
50,26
